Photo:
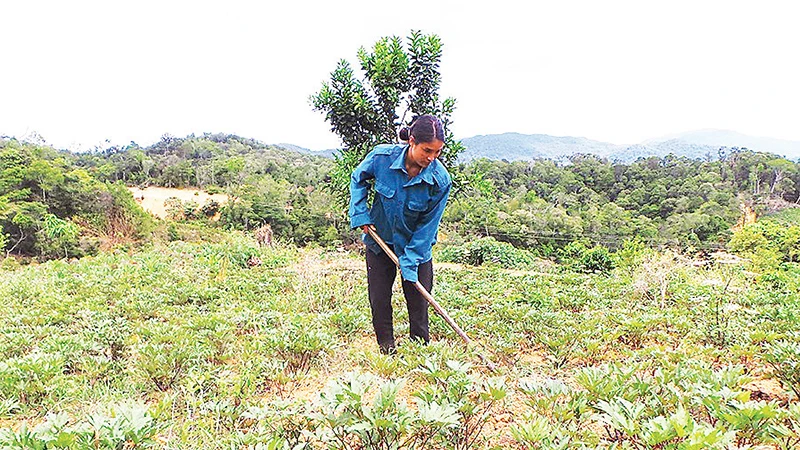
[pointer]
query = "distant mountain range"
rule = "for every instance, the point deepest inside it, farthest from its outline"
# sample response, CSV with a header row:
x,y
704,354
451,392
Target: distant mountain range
x,y
526,147
693,144
296,148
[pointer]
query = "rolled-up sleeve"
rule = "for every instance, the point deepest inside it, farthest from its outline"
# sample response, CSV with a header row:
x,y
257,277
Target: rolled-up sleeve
x,y
419,247
359,213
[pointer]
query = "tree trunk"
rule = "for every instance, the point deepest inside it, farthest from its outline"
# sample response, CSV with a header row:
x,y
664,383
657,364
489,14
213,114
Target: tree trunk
x,y
21,238
776,180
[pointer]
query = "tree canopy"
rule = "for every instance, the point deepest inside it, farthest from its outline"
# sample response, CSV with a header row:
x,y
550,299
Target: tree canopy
x,y
399,83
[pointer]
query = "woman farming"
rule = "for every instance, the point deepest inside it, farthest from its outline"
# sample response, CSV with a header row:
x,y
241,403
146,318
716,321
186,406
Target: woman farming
x,y
411,190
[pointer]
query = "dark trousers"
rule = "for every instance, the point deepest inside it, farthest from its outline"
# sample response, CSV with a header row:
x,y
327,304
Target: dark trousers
x,y
381,272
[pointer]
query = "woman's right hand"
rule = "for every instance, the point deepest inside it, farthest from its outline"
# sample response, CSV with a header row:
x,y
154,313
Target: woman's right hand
x,y
365,228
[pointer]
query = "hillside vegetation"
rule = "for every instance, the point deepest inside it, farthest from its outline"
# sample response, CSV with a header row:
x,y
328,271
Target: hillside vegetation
x,y
53,203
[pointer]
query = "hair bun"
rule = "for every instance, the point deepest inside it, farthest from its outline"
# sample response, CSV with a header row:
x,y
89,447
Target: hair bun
x,y
404,133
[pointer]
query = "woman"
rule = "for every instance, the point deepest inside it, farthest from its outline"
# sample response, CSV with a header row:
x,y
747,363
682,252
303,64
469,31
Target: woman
x,y
411,188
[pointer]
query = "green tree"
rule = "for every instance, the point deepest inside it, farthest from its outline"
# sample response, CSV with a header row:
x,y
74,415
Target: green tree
x,y
780,180
399,84
45,175
57,235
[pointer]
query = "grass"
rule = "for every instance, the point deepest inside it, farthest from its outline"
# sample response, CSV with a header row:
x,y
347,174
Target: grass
x,y
208,344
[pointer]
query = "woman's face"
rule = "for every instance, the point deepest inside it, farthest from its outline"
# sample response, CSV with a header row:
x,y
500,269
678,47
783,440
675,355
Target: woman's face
x,y
423,153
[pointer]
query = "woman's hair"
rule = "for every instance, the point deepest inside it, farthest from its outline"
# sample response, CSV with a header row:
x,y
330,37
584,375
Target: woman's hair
x,y
426,128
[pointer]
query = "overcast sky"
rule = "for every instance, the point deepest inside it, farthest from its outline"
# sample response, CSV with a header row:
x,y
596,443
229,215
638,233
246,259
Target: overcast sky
x,y
80,72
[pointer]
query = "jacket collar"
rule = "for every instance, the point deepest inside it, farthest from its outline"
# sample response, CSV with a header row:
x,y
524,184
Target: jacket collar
x,y
426,174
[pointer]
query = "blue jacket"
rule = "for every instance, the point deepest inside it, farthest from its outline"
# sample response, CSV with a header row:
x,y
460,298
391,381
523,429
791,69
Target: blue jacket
x,y
405,212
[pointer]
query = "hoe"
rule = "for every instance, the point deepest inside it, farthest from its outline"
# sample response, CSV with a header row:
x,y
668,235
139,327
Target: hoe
x,y
430,299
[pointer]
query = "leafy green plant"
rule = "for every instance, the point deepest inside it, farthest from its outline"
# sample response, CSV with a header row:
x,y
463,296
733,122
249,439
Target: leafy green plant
x,y
172,232
784,357
751,419
786,432
473,399
621,417
290,421
537,433
553,398
128,426
165,359
30,378
299,342
561,348
386,423
350,320
584,259
605,382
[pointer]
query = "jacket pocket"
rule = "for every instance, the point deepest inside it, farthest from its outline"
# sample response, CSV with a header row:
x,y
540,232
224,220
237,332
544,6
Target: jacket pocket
x,y
384,190
412,211
417,205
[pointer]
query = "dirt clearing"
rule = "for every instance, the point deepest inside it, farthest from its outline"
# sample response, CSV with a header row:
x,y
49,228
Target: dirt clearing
x,y
152,198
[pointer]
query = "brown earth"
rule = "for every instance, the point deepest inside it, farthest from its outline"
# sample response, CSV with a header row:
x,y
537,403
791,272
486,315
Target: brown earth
x,y
152,198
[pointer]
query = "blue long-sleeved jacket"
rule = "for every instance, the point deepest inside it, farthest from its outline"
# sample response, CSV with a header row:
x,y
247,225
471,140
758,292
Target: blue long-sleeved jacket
x,y
406,212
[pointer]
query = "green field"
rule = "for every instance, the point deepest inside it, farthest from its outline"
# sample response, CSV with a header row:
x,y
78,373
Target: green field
x,y
224,345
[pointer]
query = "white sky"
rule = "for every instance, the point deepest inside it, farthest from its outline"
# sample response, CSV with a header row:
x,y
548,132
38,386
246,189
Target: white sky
x,y
81,72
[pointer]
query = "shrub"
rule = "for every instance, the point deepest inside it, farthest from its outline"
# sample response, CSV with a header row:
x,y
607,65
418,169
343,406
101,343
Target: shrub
x,y
172,232
210,208
57,237
174,208
8,264
587,260
191,209
488,251
114,218
767,243
631,255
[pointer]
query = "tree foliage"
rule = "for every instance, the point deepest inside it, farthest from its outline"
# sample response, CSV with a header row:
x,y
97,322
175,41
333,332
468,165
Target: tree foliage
x,y
48,204
676,201
399,83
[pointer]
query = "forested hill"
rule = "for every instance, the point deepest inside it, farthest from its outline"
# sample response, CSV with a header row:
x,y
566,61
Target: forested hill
x,y
328,153
51,201
218,160
704,144
54,203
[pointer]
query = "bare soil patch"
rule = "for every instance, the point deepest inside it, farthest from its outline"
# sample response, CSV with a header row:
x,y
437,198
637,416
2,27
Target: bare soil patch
x,y
152,198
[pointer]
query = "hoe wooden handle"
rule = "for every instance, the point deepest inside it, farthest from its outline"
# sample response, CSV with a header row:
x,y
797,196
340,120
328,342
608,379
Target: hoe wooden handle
x,y
427,295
